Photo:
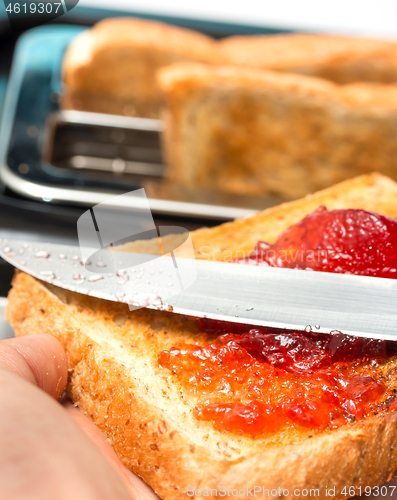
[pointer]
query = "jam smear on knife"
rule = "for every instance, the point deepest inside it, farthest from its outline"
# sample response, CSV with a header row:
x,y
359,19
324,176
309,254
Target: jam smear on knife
x,y
259,381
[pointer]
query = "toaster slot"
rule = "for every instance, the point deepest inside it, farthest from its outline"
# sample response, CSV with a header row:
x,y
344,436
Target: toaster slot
x,y
113,145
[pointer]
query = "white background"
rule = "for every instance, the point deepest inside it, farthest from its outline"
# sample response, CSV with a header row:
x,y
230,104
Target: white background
x,y
361,17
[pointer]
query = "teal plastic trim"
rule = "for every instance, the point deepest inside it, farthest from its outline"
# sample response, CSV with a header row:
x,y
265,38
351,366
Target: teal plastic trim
x,y
3,86
39,47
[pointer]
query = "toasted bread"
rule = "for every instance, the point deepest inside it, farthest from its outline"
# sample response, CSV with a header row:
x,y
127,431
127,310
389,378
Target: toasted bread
x,y
111,67
147,417
340,59
256,132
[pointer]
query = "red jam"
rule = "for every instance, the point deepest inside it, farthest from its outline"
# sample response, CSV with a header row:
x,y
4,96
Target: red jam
x,y
337,241
261,381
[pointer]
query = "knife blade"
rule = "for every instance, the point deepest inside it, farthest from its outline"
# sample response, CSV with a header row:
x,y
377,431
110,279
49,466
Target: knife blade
x,y
253,295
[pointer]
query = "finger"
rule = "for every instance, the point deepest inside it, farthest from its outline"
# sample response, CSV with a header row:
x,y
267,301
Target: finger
x,y
39,359
141,489
44,454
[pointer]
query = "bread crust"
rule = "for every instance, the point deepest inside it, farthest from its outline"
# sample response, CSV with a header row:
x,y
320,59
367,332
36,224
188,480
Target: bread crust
x,y
115,379
257,132
336,58
111,67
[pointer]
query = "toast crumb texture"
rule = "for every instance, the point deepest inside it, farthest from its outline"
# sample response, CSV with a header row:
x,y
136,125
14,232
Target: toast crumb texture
x,y
257,132
147,417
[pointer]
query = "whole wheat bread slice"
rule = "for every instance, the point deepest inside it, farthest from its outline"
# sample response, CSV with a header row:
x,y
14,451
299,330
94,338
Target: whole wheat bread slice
x,y
336,58
111,67
254,131
147,416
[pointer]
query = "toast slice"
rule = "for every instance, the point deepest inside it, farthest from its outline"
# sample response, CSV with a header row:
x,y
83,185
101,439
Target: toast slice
x,y
257,132
116,380
111,67
336,58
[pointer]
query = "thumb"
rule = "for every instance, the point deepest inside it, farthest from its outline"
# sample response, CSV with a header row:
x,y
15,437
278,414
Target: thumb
x,y
44,454
39,359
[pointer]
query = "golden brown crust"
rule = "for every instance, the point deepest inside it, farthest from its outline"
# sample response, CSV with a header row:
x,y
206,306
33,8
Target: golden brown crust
x,y
257,132
117,60
116,380
340,59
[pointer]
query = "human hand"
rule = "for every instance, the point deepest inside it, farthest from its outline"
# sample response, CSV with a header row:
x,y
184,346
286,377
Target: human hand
x,y
49,451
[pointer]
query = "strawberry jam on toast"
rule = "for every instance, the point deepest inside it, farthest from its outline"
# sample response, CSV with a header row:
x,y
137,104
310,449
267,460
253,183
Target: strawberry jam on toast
x,y
252,381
